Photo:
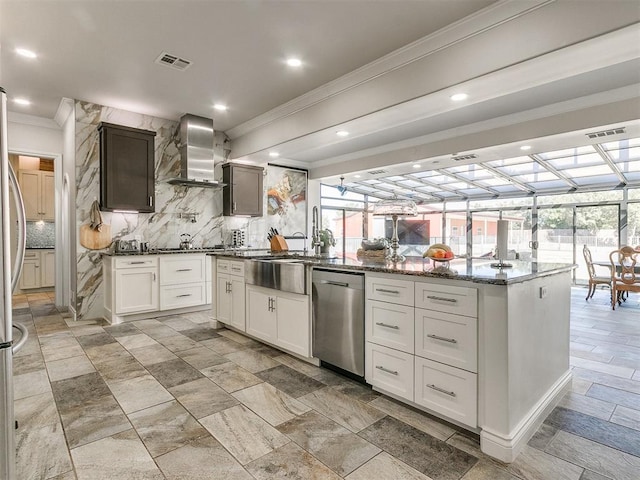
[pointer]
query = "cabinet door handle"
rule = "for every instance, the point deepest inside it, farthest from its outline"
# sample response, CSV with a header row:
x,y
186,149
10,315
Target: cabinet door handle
x,y
154,276
184,295
443,299
37,266
234,206
228,287
136,263
151,201
392,372
184,269
444,339
441,390
395,327
384,290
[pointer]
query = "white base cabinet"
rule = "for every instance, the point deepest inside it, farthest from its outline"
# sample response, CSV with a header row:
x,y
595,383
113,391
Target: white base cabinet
x,y
230,305
136,290
279,318
38,269
182,281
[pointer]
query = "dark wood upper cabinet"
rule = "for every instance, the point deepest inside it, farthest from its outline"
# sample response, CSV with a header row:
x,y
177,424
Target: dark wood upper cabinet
x,y
127,178
243,192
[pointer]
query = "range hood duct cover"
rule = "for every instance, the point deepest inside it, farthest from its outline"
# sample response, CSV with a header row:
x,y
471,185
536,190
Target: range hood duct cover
x,y
196,153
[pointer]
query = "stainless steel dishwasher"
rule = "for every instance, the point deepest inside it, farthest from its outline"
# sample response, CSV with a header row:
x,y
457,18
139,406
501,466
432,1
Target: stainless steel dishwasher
x,y
338,319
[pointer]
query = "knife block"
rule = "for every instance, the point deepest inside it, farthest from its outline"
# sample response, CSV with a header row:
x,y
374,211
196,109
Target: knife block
x,y
279,244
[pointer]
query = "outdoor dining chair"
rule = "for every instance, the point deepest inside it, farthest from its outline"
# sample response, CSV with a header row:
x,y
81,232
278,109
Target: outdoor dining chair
x,y
593,278
625,273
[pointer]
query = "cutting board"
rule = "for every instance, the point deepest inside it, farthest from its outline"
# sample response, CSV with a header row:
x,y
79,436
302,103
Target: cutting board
x,y
93,239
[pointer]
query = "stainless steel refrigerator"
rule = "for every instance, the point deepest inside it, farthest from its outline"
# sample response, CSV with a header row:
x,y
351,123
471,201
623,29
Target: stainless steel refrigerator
x,y
9,276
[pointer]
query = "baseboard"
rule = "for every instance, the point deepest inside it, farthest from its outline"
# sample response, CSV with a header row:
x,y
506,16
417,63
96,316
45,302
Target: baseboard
x,y
507,448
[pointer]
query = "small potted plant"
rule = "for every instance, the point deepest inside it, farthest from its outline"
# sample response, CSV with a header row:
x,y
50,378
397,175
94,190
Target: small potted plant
x,y
327,239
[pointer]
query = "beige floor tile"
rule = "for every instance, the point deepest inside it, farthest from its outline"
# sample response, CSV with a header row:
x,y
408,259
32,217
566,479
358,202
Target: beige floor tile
x,y
384,467
69,367
140,392
230,376
52,456
28,384
152,354
271,404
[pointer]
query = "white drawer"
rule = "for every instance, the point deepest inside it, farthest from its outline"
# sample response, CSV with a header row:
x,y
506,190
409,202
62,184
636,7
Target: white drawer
x,y
236,268
136,261
222,266
178,296
180,269
447,338
389,370
447,298
449,391
390,290
390,325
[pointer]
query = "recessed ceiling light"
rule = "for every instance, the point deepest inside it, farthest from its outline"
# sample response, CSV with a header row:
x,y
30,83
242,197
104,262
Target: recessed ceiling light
x,y
26,53
342,133
358,176
416,165
525,147
294,62
220,107
274,154
22,101
458,97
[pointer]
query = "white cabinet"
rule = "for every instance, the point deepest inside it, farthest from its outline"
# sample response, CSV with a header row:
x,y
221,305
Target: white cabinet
x,y
133,285
422,344
230,305
182,280
38,191
280,318
38,269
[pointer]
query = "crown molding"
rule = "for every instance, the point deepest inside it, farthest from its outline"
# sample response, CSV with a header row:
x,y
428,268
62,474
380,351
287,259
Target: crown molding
x,y
25,119
65,107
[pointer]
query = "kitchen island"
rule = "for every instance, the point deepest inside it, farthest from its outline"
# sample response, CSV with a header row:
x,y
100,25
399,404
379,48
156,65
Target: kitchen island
x,y
484,348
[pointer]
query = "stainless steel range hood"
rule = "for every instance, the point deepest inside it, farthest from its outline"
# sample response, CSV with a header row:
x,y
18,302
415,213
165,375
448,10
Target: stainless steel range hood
x,y
196,153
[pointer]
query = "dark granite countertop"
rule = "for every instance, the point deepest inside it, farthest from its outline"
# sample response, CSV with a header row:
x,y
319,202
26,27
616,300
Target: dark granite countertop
x,y
40,248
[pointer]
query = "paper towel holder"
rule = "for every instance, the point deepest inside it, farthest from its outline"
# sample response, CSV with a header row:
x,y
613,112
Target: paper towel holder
x,y
502,244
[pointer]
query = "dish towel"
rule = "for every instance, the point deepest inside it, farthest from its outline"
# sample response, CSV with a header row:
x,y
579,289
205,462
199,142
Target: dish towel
x,y
95,217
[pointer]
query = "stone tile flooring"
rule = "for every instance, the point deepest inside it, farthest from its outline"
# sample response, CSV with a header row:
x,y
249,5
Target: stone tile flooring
x,y
171,398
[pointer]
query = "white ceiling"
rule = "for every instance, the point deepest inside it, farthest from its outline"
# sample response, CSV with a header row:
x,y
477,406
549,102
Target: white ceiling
x,y
538,71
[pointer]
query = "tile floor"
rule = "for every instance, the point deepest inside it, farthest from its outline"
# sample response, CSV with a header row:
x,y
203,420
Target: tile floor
x,y
170,398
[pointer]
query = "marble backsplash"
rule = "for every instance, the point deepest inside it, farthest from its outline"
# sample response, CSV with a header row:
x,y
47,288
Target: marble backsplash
x,y
40,235
160,229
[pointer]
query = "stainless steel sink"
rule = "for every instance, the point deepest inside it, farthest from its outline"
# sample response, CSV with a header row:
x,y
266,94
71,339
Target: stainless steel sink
x,y
285,274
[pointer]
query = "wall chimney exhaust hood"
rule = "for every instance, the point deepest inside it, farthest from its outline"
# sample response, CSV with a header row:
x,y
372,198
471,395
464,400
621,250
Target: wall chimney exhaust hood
x,y
196,153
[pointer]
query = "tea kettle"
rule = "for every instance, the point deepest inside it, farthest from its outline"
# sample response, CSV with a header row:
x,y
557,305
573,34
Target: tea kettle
x,y
185,242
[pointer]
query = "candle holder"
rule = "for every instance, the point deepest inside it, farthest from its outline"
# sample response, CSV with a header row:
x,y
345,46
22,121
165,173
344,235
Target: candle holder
x,y
395,208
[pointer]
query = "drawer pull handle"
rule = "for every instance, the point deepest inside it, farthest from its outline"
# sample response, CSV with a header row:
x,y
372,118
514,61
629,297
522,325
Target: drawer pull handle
x,y
137,263
184,295
443,299
384,290
335,284
444,339
395,327
442,390
184,269
392,372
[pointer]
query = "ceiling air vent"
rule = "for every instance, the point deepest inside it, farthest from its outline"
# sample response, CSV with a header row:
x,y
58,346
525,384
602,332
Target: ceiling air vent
x,y
606,133
376,172
173,61
464,157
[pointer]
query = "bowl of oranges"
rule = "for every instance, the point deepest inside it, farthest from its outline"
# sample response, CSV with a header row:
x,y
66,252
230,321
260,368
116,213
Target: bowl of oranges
x,y
439,252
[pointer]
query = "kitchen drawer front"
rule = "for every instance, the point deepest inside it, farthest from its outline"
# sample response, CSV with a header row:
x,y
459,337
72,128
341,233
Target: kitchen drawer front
x,y
390,325
389,370
447,338
390,290
222,266
449,391
447,298
135,261
181,269
179,296
236,268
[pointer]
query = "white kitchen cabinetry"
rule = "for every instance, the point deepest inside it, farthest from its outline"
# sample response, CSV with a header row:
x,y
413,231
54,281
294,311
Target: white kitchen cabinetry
x,y
230,305
182,281
38,269
422,345
38,191
280,318
134,285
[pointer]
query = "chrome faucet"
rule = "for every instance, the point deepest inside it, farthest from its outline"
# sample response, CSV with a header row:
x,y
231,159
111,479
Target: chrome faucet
x,y
304,237
316,243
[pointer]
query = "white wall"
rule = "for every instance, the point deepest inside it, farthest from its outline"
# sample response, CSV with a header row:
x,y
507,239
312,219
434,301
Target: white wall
x,y
29,134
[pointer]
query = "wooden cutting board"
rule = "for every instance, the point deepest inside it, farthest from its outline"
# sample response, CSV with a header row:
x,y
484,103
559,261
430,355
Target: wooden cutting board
x,y
93,239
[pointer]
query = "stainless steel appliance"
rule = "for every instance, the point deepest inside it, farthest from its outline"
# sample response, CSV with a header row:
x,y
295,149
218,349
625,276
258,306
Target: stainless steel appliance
x,y
8,280
285,274
338,319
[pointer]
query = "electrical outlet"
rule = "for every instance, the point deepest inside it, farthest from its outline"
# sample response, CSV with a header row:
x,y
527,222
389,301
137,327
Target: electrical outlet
x,y
543,292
